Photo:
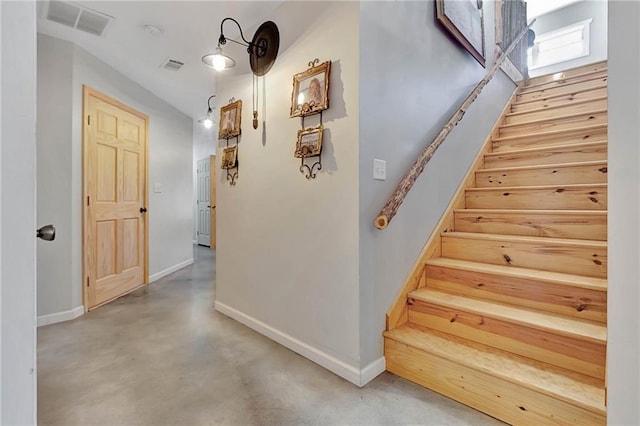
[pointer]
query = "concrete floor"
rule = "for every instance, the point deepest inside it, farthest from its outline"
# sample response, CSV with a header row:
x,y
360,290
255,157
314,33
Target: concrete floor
x,y
163,356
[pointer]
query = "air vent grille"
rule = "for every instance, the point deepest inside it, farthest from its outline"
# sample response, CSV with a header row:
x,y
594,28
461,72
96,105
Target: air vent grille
x,y
78,17
172,64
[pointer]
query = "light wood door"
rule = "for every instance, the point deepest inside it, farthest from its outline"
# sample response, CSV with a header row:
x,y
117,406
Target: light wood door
x,y
115,199
204,204
212,198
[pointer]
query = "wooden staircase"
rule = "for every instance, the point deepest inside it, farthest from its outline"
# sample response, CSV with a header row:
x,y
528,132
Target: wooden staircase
x,y
506,308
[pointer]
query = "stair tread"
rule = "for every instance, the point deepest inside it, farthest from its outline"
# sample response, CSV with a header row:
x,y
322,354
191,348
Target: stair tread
x,y
545,166
573,77
567,82
545,148
566,326
559,95
571,185
551,132
568,386
526,239
555,118
581,281
558,106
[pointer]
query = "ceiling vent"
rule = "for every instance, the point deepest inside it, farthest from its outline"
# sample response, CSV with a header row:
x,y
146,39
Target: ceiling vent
x,y
78,17
172,64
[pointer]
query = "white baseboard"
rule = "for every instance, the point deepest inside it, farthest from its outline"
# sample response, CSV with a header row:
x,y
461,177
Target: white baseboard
x,y
372,370
60,316
171,270
348,372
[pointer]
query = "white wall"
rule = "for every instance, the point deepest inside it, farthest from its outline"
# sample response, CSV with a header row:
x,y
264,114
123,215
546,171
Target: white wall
x,y
170,164
287,250
413,76
580,11
17,213
623,349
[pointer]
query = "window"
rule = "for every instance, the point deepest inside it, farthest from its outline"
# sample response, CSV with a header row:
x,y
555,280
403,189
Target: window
x,y
560,45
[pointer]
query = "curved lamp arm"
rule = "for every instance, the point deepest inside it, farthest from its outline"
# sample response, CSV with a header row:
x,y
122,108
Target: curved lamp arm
x,y
223,40
209,104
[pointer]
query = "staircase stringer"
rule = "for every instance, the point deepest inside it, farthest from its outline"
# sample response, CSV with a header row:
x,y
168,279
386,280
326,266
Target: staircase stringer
x,y
398,312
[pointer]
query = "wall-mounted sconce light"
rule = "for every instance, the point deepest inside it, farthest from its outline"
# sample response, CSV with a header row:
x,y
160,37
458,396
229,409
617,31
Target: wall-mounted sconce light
x,y
207,121
262,49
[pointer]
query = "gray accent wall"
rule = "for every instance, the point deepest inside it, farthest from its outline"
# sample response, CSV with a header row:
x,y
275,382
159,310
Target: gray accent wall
x,y
63,69
576,12
623,322
413,76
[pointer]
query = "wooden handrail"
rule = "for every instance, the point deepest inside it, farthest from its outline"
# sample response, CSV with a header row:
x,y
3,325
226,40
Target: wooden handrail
x,y
391,208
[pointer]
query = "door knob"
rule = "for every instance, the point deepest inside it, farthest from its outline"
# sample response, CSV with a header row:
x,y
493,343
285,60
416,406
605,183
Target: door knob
x,y
143,209
47,233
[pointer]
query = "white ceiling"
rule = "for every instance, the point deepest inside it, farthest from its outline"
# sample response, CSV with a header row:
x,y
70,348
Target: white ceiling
x,y
536,8
190,30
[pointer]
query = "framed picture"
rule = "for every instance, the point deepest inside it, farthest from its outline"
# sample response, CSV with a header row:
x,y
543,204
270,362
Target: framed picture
x,y
309,142
311,90
230,116
465,21
229,157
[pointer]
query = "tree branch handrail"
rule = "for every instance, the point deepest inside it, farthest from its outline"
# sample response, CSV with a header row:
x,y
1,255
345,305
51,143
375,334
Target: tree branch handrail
x,y
393,204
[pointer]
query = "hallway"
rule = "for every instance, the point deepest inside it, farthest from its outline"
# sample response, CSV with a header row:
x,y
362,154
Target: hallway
x,y
162,355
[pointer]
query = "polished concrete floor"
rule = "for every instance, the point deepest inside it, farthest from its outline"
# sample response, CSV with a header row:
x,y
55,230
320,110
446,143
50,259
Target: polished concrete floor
x,y
163,356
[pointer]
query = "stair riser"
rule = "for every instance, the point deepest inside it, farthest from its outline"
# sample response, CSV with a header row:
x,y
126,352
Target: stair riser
x,y
562,175
575,225
564,90
586,119
567,300
563,81
595,152
593,93
556,198
556,112
572,73
562,351
579,259
577,136
505,400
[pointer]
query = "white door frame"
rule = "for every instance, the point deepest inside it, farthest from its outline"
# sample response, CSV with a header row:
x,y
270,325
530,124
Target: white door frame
x,y
203,202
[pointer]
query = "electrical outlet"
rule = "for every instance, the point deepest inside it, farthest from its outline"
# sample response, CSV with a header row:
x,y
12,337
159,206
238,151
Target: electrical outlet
x,y
379,169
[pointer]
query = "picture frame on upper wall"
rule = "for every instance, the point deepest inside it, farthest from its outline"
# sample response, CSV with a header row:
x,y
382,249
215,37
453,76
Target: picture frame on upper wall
x,y
311,89
309,142
464,19
229,157
230,120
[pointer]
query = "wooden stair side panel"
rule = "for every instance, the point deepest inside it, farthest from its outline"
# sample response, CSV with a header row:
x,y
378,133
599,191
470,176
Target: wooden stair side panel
x,y
397,313
550,174
590,151
564,197
566,89
553,101
578,107
574,296
589,118
550,139
547,254
573,224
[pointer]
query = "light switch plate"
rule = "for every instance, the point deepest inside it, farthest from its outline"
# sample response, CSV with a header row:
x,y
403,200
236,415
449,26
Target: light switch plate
x,y
157,187
379,169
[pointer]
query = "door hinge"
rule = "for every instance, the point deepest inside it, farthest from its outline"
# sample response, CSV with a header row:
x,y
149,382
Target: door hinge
x,y
87,281
88,199
88,120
